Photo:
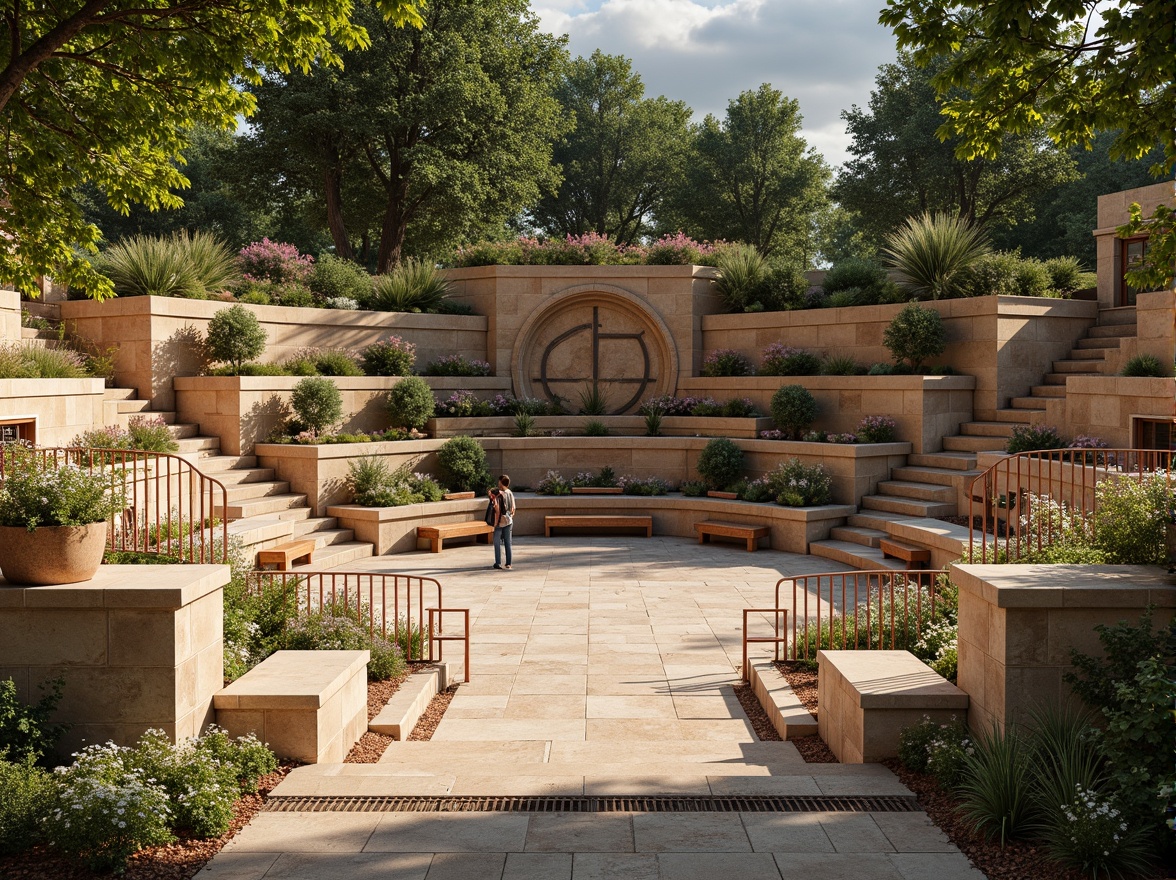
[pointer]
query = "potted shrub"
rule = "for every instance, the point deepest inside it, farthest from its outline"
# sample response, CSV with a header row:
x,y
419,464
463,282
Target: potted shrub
x,y
53,519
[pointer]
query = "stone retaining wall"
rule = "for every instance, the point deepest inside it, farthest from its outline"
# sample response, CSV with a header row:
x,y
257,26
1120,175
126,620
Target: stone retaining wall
x,y
9,316
62,408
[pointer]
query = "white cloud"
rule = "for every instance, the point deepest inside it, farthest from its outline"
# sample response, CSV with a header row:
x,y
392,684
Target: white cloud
x,y
824,53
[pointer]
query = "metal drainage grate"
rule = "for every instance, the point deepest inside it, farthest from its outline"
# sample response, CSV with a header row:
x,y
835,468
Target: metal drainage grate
x,y
726,804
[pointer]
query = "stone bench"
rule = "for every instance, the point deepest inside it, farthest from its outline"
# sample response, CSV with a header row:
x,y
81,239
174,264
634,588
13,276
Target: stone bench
x,y
436,535
739,531
866,698
310,706
598,522
284,555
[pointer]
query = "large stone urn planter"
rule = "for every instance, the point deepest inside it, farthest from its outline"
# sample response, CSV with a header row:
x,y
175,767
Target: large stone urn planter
x,y
51,555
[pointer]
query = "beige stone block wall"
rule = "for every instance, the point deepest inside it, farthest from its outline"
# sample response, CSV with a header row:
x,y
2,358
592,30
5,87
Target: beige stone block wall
x,y
320,472
1007,343
244,410
159,338
1114,211
1107,406
393,529
1018,624
138,647
1155,325
9,316
865,699
62,408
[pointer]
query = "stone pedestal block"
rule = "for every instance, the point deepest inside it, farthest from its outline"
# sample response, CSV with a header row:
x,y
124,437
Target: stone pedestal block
x,y
866,698
139,646
310,706
1019,623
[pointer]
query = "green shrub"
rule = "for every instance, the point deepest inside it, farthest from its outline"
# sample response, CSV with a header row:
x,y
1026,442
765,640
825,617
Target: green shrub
x,y
726,362
693,488
739,408
1006,274
410,403
914,743
341,632
643,485
876,429
317,403
246,755
553,483
863,275
794,409
932,254
784,288
915,335
1089,832
151,434
720,463
594,428
26,360
783,360
757,491
322,362
948,753
374,484
1130,517
841,365
333,278
1030,438
844,299
201,789
794,484
462,462
235,336
1147,365
389,357
1065,274
457,365
743,278
413,286
994,798
28,795
183,264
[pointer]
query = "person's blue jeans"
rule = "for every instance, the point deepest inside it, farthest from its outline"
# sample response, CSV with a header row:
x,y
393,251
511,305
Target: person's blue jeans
x,y
502,537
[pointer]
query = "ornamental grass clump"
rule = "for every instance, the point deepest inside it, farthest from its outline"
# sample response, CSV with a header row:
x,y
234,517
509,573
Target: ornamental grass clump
x,y
1147,365
38,492
995,800
184,264
413,286
932,254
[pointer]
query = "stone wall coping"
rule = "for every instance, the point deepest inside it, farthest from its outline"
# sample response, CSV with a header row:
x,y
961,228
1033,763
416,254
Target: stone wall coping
x,y
1123,386
292,680
179,307
842,383
497,271
123,586
627,503
892,680
784,709
1068,586
343,383
50,387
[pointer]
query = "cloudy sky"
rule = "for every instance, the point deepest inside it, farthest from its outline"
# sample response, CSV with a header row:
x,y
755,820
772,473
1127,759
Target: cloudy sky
x,y
824,53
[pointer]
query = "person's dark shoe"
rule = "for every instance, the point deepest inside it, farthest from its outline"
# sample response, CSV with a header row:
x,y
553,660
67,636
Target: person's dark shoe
x,y
499,567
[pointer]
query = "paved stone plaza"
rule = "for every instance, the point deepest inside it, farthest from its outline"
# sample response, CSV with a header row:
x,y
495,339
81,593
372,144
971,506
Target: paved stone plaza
x,y
600,666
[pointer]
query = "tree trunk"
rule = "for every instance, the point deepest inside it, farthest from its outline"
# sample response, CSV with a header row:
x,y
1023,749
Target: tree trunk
x,y
333,190
392,234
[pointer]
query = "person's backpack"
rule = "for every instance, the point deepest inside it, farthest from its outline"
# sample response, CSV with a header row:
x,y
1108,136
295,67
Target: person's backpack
x,y
491,510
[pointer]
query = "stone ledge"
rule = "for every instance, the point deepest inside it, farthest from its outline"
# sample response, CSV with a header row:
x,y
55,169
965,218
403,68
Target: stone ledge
x,y
121,586
292,680
784,709
891,680
400,715
1068,586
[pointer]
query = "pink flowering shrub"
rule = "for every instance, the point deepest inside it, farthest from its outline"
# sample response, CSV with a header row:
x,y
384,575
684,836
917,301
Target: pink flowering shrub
x,y
275,261
726,362
877,429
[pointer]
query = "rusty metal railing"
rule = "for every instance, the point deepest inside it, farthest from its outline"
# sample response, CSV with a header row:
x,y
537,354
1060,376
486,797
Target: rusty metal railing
x,y
1026,501
171,508
402,608
848,610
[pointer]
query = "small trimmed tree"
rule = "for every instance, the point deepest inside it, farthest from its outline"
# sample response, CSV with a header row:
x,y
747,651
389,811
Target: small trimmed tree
x,y
410,403
317,403
463,464
794,409
235,336
720,463
915,335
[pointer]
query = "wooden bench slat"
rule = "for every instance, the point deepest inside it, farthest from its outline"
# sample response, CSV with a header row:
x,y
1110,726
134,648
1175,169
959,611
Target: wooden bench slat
x,y
437,534
599,522
906,552
284,555
740,531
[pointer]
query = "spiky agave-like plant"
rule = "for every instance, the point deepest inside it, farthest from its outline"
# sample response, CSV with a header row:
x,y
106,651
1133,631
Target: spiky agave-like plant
x,y
931,253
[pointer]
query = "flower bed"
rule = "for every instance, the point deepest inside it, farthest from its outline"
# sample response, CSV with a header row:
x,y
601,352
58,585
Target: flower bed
x,y
627,426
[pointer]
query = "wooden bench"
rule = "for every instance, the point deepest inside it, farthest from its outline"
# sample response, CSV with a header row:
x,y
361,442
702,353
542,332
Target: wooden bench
x,y
739,531
310,706
284,555
916,557
437,535
866,698
598,522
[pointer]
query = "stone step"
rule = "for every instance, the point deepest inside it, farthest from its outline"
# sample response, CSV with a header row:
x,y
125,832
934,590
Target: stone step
x,y
189,432
259,532
216,464
334,555
986,429
1112,331
1117,317
956,461
237,476
908,506
857,535
1095,355
296,513
262,489
1048,391
315,524
1013,417
1027,404
960,443
1056,378
133,406
329,537
1108,343
272,504
863,558
939,476
197,443
915,490
1079,368
119,394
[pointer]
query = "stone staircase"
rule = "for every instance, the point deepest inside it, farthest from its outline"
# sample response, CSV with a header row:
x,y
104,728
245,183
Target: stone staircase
x,y
261,509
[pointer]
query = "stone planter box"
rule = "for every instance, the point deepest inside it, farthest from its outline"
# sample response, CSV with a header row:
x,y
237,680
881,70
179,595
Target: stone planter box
x,y
244,410
632,426
320,472
925,408
393,529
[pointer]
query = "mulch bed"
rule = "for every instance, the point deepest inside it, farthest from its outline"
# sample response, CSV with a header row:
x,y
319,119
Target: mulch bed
x,y
804,684
811,748
178,861
372,745
760,723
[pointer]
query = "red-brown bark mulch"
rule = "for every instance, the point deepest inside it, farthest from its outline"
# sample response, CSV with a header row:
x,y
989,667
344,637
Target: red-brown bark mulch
x,y
804,684
372,745
177,861
426,725
760,723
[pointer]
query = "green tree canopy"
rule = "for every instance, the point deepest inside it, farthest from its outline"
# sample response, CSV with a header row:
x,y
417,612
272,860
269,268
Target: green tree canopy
x,y
105,91
622,157
899,167
426,137
751,177
1078,66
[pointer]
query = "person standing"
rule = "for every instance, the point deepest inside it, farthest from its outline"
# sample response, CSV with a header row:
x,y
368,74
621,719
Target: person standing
x,y
503,522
